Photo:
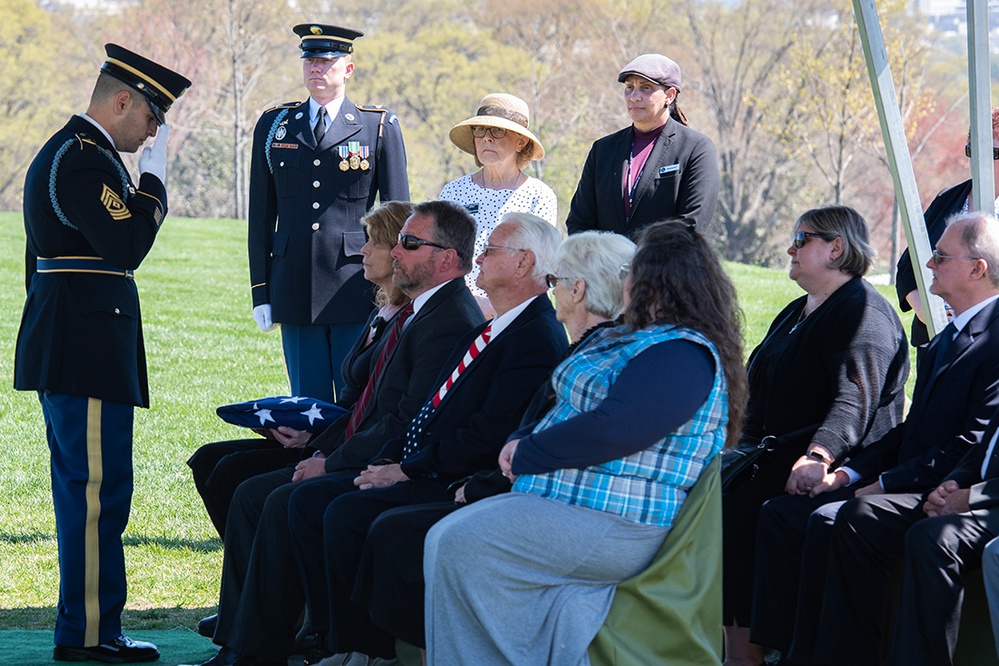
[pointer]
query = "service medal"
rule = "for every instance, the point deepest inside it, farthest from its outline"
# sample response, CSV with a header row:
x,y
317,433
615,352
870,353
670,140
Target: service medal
x,y
365,151
344,164
355,162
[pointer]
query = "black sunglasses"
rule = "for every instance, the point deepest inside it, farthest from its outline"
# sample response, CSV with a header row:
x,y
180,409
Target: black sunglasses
x,y
995,151
552,280
800,238
414,243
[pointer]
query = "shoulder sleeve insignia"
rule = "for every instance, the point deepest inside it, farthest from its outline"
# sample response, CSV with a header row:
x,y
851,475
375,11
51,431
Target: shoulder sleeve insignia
x,y
114,205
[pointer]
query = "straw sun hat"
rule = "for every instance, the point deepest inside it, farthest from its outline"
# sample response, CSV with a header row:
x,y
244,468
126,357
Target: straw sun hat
x,y
499,110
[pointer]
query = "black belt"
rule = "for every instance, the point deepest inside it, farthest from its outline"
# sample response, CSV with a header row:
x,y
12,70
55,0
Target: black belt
x,y
80,265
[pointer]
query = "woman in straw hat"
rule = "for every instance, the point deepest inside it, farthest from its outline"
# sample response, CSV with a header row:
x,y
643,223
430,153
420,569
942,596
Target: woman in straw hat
x,y
498,137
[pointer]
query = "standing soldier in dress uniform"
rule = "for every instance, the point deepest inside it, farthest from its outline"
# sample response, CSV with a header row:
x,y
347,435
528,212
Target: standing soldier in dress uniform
x,y
80,343
317,166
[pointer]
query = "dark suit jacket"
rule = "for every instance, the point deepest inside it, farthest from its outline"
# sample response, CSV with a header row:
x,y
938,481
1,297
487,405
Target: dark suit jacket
x,y
945,204
81,332
984,491
407,378
470,426
357,366
950,411
680,179
304,235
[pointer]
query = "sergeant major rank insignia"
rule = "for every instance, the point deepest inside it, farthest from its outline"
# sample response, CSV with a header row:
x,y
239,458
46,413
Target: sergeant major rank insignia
x,y
115,206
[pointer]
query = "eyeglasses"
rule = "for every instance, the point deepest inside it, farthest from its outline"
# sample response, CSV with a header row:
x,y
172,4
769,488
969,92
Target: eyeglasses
x,y
479,131
800,238
940,258
552,280
995,151
489,249
624,270
414,243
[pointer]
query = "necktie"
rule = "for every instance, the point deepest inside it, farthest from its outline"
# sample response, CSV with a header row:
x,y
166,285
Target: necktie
x,y
391,339
320,128
415,428
944,348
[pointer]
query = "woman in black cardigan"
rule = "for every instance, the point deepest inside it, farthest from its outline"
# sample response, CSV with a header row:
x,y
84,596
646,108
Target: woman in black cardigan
x,y
828,378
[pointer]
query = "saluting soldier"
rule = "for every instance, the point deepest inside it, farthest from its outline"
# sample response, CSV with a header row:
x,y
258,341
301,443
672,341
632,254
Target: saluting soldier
x,y
80,344
316,169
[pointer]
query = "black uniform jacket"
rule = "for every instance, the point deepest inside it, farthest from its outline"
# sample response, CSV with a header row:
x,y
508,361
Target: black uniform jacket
x,y
80,332
306,202
680,179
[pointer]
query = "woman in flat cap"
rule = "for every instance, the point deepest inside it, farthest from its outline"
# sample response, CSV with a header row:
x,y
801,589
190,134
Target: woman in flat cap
x,y
499,139
655,169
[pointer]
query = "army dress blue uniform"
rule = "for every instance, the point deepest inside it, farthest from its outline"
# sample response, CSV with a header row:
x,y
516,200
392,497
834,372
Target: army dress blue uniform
x,y
80,347
306,202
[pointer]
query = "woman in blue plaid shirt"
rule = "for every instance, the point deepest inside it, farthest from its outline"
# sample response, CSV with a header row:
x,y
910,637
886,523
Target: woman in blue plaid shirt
x,y
528,577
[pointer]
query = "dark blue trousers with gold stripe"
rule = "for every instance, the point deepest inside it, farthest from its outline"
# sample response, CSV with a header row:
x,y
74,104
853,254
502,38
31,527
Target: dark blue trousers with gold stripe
x,y
90,443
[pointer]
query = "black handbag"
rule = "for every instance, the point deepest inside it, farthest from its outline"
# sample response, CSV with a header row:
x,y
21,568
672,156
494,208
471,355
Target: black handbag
x,y
740,465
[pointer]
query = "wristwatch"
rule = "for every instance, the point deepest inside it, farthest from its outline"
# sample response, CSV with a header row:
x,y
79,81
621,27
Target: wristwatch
x,y
815,455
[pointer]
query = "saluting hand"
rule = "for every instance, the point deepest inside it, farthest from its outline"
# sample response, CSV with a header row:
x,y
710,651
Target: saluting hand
x,y
154,160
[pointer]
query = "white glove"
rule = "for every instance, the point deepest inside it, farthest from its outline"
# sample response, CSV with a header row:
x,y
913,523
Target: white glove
x,y
262,315
153,159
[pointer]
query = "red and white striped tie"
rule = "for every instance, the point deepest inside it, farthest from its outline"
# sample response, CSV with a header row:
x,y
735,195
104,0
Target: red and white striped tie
x,y
474,350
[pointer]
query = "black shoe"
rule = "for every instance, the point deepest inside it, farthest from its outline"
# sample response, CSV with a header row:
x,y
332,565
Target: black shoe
x,y
224,657
122,650
206,625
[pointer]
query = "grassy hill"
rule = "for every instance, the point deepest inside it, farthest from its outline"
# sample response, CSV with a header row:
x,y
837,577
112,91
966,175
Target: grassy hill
x,y
203,350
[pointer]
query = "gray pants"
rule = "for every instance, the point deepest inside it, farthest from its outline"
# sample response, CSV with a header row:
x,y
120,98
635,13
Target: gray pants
x,y
990,574
519,579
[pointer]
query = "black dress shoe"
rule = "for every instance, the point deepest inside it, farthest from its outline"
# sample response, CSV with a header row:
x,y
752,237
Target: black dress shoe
x,y
122,650
206,625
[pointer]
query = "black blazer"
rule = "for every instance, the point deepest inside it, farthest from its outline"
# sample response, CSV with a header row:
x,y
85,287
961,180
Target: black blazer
x,y
357,366
81,332
949,414
680,179
407,379
304,235
945,204
984,491
470,426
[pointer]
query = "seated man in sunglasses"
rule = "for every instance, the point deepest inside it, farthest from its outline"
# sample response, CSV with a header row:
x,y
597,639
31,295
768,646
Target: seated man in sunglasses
x,y
844,550
429,263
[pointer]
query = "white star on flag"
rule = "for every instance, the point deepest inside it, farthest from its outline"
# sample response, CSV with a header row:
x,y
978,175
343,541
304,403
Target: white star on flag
x,y
297,399
313,414
264,415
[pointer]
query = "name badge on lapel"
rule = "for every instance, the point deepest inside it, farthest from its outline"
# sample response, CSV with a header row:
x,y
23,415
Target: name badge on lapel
x,y
667,170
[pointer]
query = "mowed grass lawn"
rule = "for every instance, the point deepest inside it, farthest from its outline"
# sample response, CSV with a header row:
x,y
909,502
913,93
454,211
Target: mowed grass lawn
x,y
203,350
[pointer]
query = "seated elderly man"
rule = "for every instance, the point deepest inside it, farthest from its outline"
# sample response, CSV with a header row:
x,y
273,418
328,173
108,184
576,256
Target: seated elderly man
x,y
433,255
480,396
589,297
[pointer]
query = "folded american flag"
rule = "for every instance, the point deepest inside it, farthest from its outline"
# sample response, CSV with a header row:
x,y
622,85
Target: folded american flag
x,y
298,412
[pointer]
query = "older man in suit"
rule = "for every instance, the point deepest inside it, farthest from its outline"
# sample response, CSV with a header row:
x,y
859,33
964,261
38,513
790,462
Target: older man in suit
x,y
316,168
432,257
851,546
956,523
478,399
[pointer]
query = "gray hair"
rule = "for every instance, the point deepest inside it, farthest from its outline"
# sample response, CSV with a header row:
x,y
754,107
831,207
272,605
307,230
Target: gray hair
x,y
846,223
595,257
537,235
981,236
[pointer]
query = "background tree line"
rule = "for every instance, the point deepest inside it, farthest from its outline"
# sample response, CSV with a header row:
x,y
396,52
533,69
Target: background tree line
x,y
779,85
